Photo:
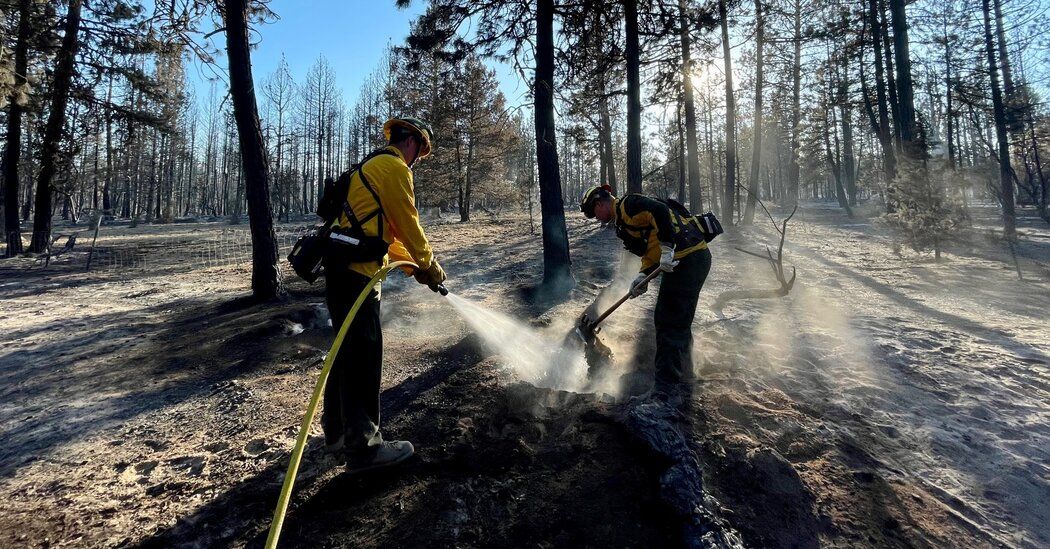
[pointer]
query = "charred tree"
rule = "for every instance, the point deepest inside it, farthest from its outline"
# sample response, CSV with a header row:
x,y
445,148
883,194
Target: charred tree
x,y
730,186
266,273
794,169
634,99
13,151
556,272
756,150
1006,183
56,120
606,142
910,142
889,160
696,201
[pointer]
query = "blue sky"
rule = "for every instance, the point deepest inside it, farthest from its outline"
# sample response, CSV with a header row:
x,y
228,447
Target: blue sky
x,y
352,34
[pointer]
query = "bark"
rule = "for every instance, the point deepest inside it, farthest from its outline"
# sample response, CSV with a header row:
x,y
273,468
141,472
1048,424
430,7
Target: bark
x,y
63,78
94,169
607,143
950,109
681,155
1005,173
905,94
556,272
891,83
266,273
889,159
837,168
13,151
107,203
849,171
756,150
696,201
1044,182
634,99
709,134
1013,124
730,192
794,170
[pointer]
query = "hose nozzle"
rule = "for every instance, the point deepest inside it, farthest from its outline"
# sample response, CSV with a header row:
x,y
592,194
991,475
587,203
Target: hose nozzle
x,y
440,288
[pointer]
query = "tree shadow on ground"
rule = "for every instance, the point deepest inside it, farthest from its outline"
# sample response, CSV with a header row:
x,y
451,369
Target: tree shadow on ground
x,y
989,334
178,363
244,507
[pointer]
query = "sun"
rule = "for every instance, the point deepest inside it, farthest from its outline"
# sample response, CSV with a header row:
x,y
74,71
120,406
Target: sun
x,y
705,75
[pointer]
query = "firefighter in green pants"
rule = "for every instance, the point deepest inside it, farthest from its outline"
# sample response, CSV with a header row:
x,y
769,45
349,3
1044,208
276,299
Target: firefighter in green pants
x,y
667,237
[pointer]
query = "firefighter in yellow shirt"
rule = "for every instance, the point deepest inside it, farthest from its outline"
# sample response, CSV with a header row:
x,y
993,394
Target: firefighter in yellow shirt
x,y
380,207
667,237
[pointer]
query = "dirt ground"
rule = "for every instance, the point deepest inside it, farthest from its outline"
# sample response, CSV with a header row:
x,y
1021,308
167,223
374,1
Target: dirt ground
x,y
889,400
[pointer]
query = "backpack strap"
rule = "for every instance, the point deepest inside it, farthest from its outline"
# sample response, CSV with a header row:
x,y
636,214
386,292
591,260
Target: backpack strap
x,y
358,224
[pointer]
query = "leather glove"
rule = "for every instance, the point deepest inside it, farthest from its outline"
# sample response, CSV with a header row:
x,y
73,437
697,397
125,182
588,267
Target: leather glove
x,y
639,286
431,276
667,262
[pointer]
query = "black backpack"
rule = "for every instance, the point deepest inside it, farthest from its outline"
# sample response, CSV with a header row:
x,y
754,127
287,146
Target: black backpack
x,y
708,224
333,194
334,246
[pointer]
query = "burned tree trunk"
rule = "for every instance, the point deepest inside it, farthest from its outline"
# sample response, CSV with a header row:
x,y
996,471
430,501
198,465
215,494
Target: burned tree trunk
x,y
794,168
634,99
889,161
12,154
756,155
905,97
56,120
730,188
555,236
1005,173
696,201
606,143
266,273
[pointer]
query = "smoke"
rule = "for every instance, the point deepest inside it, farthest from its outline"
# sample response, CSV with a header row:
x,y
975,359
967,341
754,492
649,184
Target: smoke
x,y
542,359
804,341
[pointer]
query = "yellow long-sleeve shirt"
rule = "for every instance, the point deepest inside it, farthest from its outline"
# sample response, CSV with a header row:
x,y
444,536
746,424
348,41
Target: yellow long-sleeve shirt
x,y
391,179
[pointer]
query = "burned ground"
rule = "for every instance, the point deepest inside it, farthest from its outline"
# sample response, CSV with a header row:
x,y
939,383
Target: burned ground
x,y
887,401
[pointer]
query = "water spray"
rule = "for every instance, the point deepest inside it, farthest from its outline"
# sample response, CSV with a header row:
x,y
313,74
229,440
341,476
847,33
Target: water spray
x,y
531,355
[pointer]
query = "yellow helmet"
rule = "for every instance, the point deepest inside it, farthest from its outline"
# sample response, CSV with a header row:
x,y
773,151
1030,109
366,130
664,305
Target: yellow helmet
x,y
413,125
590,198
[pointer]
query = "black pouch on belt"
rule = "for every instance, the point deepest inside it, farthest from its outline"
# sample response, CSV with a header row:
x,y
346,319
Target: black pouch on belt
x,y
350,245
307,256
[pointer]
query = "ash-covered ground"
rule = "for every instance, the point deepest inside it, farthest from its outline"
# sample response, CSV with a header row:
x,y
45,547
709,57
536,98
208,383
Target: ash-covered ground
x,y
889,400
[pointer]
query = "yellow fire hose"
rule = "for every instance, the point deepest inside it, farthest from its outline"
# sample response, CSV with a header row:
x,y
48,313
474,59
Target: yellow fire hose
x,y
311,409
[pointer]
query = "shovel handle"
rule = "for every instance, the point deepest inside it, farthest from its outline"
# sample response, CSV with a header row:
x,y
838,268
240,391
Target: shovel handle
x,y
621,301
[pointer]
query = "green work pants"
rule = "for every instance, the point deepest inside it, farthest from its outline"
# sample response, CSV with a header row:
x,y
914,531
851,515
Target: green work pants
x,y
351,396
675,307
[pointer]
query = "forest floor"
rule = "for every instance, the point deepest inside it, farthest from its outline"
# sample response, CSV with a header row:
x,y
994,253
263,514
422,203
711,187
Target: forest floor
x,y
889,400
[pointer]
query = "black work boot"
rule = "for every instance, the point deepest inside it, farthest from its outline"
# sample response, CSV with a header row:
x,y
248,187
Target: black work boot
x,y
386,454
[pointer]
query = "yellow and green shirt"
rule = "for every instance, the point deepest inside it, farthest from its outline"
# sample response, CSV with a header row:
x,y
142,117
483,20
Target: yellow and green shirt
x,y
641,217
